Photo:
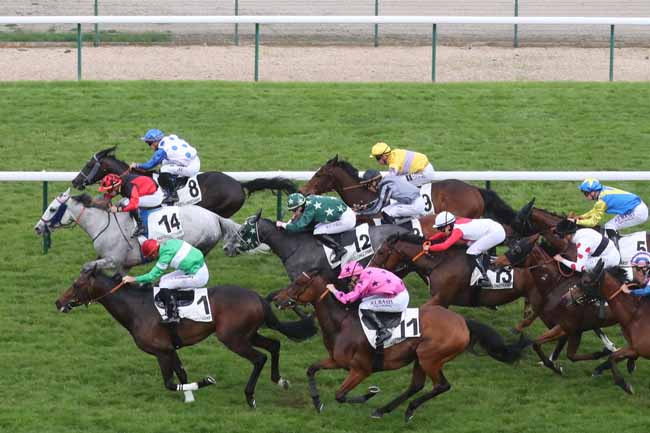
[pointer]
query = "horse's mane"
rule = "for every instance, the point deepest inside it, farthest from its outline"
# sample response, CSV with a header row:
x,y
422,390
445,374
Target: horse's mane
x,y
348,168
106,152
406,237
619,273
87,200
550,213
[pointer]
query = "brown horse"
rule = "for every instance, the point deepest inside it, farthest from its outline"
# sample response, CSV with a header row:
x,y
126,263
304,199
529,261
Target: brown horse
x,y
451,195
632,313
237,313
449,273
444,335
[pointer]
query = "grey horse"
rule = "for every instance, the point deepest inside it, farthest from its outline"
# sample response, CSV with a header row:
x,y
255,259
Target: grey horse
x,y
299,252
111,233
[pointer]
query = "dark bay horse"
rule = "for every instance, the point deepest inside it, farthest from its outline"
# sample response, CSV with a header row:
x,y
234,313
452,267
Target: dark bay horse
x,y
449,272
451,195
632,313
444,335
299,252
238,314
220,193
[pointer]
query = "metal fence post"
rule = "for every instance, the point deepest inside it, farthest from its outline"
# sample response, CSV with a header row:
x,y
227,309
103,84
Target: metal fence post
x,y
96,41
257,51
376,25
47,241
78,51
434,42
611,53
236,24
516,36
279,206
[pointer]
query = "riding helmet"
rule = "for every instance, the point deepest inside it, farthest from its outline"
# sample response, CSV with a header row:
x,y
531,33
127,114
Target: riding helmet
x,y
590,184
379,149
443,219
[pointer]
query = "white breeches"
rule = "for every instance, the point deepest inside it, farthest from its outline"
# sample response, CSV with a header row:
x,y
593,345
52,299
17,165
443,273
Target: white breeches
x,y
492,238
610,256
636,216
188,170
180,280
427,175
415,209
152,200
347,222
396,304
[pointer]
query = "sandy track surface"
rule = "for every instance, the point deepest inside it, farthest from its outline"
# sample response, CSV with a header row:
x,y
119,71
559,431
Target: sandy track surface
x,y
477,63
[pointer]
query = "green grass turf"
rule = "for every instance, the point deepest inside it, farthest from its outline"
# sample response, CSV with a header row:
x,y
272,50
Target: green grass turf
x,y
81,372
110,36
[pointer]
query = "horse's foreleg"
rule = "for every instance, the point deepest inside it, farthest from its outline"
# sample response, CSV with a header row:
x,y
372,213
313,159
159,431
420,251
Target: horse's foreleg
x,y
355,377
417,383
574,343
614,358
273,347
169,363
529,316
550,335
325,364
558,348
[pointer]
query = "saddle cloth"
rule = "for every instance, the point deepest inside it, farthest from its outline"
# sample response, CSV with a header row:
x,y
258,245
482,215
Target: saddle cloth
x,y
188,193
164,223
408,326
193,304
629,245
502,278
356,243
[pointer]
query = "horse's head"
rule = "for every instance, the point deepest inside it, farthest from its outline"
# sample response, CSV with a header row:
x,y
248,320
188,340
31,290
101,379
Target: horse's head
x,y
81,292
56,215
246,238
522,223
519,250
396,252
95,169
305,289
323,180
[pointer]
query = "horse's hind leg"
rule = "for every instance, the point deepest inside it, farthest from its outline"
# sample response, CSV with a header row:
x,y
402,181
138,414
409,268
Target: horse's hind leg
x,y
243,348
417,383
273,347
440,385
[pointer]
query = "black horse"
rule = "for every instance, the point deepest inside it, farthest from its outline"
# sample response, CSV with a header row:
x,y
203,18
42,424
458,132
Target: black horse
x,y
299,252
237,313
220,193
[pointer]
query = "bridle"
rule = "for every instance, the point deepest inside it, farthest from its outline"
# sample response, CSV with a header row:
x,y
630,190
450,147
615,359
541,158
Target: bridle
x,y
89,179
294,301
77,301
55,221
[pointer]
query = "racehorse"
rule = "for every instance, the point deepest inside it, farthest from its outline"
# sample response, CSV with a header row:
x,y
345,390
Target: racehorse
x,y
444,335
110,233
299,252
449,272
452,195
237,314
632,313
220,193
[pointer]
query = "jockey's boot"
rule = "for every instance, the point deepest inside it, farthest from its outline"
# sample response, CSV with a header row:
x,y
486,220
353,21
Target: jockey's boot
x,y
482,263
383,333
139,226
167,182
613,236
172,309
387,219
329,241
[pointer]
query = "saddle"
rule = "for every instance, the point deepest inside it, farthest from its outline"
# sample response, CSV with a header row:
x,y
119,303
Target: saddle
x,y
184,297
389,320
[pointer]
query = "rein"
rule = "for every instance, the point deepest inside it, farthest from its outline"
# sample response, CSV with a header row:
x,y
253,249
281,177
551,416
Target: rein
x,y
617,292
113,290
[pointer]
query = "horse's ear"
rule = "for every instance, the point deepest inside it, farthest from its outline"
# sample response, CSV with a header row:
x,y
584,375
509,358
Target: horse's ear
x,y
66,192
336,158
258,214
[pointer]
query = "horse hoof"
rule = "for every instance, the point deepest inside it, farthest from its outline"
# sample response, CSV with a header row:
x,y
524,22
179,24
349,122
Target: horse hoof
x,y
377,414
628,388
320,407
283,383
597,373
210,380
373,389
251,403
408,416
631,366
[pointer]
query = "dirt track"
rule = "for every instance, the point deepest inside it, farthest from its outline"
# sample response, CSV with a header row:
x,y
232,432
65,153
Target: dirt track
x,y
470,63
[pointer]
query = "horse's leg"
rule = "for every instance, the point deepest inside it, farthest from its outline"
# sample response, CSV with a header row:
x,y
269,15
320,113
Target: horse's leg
x,y
417,383
550,335
440,385
100,264
355,377
325,364
614,358
243,348
561,342
273,347
529,316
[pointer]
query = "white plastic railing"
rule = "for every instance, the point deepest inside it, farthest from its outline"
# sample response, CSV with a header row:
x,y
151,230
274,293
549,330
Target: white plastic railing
x,y
244,176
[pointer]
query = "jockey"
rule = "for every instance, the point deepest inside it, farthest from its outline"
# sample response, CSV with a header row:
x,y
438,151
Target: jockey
x,y
379,290
406,197
179,161
412,166
480,234
640,263
591,246
628,208
330,214
139,192
191,271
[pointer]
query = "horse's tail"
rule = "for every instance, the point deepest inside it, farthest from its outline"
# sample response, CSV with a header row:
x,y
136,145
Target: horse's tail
x,y
497,208
298,331
493,343
275,183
